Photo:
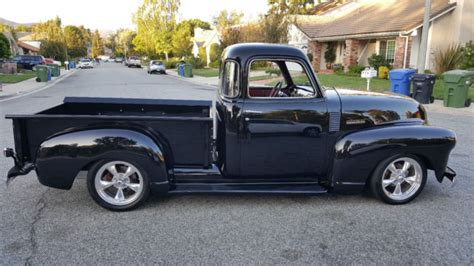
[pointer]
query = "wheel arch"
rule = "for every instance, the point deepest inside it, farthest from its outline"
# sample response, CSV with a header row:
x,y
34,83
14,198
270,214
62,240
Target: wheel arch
x,y
357,154
60,158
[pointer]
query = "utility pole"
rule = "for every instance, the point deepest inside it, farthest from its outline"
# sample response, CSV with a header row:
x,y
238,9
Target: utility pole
x,y
424,38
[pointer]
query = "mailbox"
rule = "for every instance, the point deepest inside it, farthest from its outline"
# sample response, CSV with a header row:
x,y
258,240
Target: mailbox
x,y
368,73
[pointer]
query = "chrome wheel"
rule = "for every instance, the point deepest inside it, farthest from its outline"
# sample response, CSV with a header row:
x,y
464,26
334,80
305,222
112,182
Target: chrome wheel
x,y
402,178
119,183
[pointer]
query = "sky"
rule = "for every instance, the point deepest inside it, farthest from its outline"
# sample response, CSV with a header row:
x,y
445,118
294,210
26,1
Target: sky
x,y
115,14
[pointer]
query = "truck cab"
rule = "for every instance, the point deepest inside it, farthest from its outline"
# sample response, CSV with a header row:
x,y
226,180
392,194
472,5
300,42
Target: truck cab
x,y
274,118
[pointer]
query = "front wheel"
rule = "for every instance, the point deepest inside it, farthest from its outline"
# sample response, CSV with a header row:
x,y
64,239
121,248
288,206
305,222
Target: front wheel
x,y
118,185
399,179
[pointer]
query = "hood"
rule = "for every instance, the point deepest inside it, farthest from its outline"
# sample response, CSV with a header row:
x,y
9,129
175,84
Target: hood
x,y
364,109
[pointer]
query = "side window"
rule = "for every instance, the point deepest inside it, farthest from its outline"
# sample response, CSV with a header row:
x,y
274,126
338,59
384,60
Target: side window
x,y
230,87
279,78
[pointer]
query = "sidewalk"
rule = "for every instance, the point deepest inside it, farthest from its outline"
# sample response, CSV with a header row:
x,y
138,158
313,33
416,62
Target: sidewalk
x,y
30,85
208,81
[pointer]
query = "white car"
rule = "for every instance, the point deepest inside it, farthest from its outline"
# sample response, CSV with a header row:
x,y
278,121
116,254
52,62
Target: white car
x,y
156,66
134,61
86,63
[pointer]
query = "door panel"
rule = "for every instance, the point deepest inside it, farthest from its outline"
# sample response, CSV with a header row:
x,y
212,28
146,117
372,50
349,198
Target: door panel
x,y
284,137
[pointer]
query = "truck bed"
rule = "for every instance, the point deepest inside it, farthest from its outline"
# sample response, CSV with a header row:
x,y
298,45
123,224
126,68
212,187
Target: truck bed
x,y
186,125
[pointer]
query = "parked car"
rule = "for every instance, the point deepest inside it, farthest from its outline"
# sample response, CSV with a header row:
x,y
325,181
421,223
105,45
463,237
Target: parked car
x,y
51,61
29,61
156,66
118,59
317,140
86,63
134,61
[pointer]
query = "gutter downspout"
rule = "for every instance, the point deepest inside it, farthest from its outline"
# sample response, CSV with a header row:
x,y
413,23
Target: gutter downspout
x,y
404,51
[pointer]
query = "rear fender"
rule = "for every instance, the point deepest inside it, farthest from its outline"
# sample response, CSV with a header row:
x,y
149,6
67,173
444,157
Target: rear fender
x,y
358,153
60,158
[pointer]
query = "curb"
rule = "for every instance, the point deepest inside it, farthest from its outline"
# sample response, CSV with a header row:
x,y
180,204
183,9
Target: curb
x,y
47,85
190,80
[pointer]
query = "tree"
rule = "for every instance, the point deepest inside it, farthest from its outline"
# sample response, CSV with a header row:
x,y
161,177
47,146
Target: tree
x,y
111,43
50,30
275,28
23,28
4,46
184,31
97,45
155,20
226,19
123,40
54,49
291,7
181,40
76,42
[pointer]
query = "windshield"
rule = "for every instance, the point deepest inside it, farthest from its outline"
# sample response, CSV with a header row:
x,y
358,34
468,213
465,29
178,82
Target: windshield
x,y
85,60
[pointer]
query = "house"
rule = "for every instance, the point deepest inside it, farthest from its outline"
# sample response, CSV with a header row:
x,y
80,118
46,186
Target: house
x,y
359,28
205,38
28,43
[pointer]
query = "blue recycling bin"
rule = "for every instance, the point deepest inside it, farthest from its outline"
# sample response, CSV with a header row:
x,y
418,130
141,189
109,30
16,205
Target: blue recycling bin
x,y
49,73
181,70
400,80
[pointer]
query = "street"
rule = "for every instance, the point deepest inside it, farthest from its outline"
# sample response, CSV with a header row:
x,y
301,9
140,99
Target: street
x,y
40,225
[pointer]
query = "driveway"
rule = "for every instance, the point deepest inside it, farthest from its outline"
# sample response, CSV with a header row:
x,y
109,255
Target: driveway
x,y
40,225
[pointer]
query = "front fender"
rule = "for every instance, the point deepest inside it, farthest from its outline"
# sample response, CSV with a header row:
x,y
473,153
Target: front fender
x,y
358,153
60,158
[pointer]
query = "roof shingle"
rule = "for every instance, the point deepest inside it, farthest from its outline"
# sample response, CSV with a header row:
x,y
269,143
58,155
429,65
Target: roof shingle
x,y
369,17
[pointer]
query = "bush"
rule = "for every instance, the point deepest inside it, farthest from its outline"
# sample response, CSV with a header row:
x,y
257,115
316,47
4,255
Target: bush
x,y
195,62
4,46
215,53
330,54
270,71
172,63
448,59
377,61
468,55
215,64
356,69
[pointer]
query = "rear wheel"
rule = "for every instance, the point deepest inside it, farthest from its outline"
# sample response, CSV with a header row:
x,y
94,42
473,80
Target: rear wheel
x,y
398,179
118,185
467,103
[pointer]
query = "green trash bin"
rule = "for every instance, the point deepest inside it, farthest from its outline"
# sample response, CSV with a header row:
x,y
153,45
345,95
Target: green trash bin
x,y
41,73
456,88
55,70
188,70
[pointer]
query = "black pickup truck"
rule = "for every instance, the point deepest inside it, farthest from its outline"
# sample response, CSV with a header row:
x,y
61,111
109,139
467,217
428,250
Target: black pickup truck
x,y
272,129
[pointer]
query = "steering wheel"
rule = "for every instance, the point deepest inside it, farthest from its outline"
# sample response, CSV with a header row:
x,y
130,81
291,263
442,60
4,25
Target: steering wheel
x,y
276,89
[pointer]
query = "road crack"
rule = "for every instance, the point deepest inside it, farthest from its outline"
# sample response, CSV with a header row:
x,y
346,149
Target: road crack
x,y
40,206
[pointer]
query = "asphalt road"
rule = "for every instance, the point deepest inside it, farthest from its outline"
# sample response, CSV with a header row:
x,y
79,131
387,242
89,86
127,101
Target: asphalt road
x,y
40,225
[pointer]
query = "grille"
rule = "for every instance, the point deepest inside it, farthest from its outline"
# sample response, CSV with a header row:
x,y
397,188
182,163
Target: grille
x,y
334,121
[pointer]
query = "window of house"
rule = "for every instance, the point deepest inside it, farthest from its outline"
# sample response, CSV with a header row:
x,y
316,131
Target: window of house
x,y
387,49
279,78
230,80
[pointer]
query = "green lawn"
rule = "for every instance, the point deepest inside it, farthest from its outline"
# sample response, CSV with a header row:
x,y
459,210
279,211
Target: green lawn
x,y
206,72
379,85
9,78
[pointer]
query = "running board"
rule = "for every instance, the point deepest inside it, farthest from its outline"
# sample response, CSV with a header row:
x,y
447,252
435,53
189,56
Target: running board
x,y
254,188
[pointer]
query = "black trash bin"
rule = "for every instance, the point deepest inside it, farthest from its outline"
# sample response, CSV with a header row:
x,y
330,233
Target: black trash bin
x,y
423,87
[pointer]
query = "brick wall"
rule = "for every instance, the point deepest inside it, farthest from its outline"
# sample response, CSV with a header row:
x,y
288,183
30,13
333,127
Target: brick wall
x,y
400,52
350,53
315,48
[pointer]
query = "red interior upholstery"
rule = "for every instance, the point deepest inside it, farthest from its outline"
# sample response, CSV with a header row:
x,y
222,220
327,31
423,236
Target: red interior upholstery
x,y
260,92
